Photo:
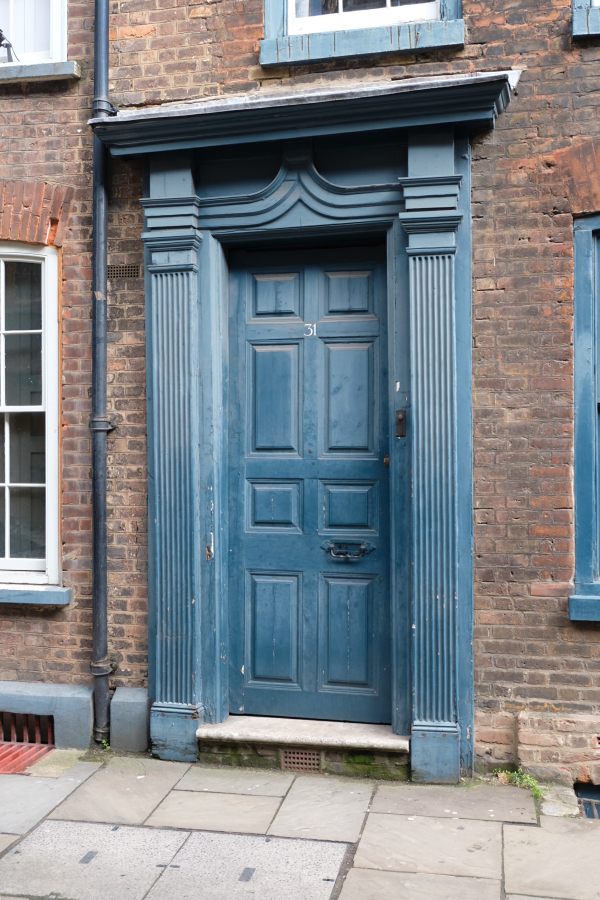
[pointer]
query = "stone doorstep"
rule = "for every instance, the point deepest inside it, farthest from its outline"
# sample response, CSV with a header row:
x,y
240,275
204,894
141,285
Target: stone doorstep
x,y
304,733
340,748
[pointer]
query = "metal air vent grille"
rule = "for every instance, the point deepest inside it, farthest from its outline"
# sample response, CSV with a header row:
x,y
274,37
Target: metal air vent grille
x,y
297,760
125,271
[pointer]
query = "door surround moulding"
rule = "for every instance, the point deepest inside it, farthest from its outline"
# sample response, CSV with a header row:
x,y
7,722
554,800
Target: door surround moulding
x,y
427,225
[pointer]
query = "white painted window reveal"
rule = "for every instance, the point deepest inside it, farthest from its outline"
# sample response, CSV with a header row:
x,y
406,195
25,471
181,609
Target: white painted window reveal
x,y
37,30
29,480
313,16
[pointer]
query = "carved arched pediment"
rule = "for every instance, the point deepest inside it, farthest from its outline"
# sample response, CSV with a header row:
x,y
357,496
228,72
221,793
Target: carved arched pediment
x,y
299,195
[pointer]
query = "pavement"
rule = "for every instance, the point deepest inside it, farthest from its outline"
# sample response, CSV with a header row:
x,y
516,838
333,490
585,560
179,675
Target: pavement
x,y
131,827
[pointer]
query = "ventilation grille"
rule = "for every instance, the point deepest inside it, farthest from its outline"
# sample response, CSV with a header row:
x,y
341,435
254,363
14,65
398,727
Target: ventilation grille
x,y
127,271
21,728
301,760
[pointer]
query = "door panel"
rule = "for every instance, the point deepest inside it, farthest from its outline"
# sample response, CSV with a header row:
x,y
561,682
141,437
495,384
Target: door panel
x,y
308,486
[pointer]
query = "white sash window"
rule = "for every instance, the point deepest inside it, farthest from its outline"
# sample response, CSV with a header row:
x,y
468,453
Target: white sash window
x,y
36,29
313,16
29,521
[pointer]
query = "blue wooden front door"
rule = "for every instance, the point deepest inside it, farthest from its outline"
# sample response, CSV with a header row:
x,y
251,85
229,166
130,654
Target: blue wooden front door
x,y
308,486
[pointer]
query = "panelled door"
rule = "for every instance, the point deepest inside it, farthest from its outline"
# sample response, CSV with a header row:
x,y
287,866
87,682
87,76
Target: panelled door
x,y
308,486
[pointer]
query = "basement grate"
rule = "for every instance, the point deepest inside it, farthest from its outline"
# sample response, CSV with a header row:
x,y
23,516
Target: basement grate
x,y
125,271
297,760
21,728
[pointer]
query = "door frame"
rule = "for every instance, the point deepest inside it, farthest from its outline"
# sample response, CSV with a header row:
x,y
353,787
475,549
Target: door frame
x,y
424,217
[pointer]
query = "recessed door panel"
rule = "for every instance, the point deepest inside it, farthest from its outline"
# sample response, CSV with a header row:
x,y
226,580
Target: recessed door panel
x,y
276,294
272,614
308,487
350,397
346,648
274,397
349,293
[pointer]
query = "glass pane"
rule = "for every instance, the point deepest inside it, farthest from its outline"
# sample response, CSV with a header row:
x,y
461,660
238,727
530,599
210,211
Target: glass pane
x,y
356,5
23,369
5,26
407,2
316,7
37,32
1,455
27,521
27,448
23,304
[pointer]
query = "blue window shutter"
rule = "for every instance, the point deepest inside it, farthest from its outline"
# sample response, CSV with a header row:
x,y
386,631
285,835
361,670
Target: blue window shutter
x,y
584,604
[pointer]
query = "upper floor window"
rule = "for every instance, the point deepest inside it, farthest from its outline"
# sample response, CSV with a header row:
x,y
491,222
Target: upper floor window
x,y
301,31
29,543
36,29
312,16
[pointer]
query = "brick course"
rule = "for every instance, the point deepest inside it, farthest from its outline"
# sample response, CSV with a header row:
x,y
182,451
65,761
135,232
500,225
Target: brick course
x,y
530,177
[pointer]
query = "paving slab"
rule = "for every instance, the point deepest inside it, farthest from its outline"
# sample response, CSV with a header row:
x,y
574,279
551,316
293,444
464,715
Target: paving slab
x,y
370,884
215,812
56,763
84,861
26,799
124,792
432,846
6,840
570,825
235,781
558,860
228,867
559,800
490,802
326,809
520,897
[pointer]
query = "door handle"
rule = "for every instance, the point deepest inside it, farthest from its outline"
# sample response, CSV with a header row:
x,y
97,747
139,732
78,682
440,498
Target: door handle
x,y
347,551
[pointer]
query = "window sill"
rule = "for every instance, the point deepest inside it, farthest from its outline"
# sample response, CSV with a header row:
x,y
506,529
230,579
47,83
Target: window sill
x,y
586,21
408,38
584,606
51,71
34,595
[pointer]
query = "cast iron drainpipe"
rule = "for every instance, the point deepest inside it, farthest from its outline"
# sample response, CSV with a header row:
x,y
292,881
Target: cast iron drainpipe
x,y
100,423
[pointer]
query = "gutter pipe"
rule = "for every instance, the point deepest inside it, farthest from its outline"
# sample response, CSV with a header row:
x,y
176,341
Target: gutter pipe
x,y
100,424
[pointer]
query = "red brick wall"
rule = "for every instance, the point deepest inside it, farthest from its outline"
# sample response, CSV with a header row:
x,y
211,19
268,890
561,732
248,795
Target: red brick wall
x,y
529,177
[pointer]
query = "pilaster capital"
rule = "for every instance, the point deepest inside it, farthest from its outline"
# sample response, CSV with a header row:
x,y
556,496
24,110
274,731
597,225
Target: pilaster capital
x,y
171,221
431,217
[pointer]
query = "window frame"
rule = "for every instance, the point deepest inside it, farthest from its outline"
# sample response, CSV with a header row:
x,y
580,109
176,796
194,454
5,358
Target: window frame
x,y
586,18
372,18
282,47
58,38
584,603
49,571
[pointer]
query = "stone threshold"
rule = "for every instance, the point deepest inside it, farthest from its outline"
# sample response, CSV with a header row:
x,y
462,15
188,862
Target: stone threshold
x,y
315,733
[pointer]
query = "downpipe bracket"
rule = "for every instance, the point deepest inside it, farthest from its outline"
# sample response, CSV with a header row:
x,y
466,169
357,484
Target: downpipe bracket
x,y
102,423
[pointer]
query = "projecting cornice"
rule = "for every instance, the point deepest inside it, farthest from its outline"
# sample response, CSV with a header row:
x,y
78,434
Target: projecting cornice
x,y
472,102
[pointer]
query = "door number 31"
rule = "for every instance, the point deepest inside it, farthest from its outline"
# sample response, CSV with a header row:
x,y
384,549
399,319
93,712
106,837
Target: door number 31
x,y
310,329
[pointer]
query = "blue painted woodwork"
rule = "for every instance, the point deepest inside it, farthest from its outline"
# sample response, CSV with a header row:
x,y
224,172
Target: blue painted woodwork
x,y
281,48
299,203
586,19
310,635
441,530
584,604
472,102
